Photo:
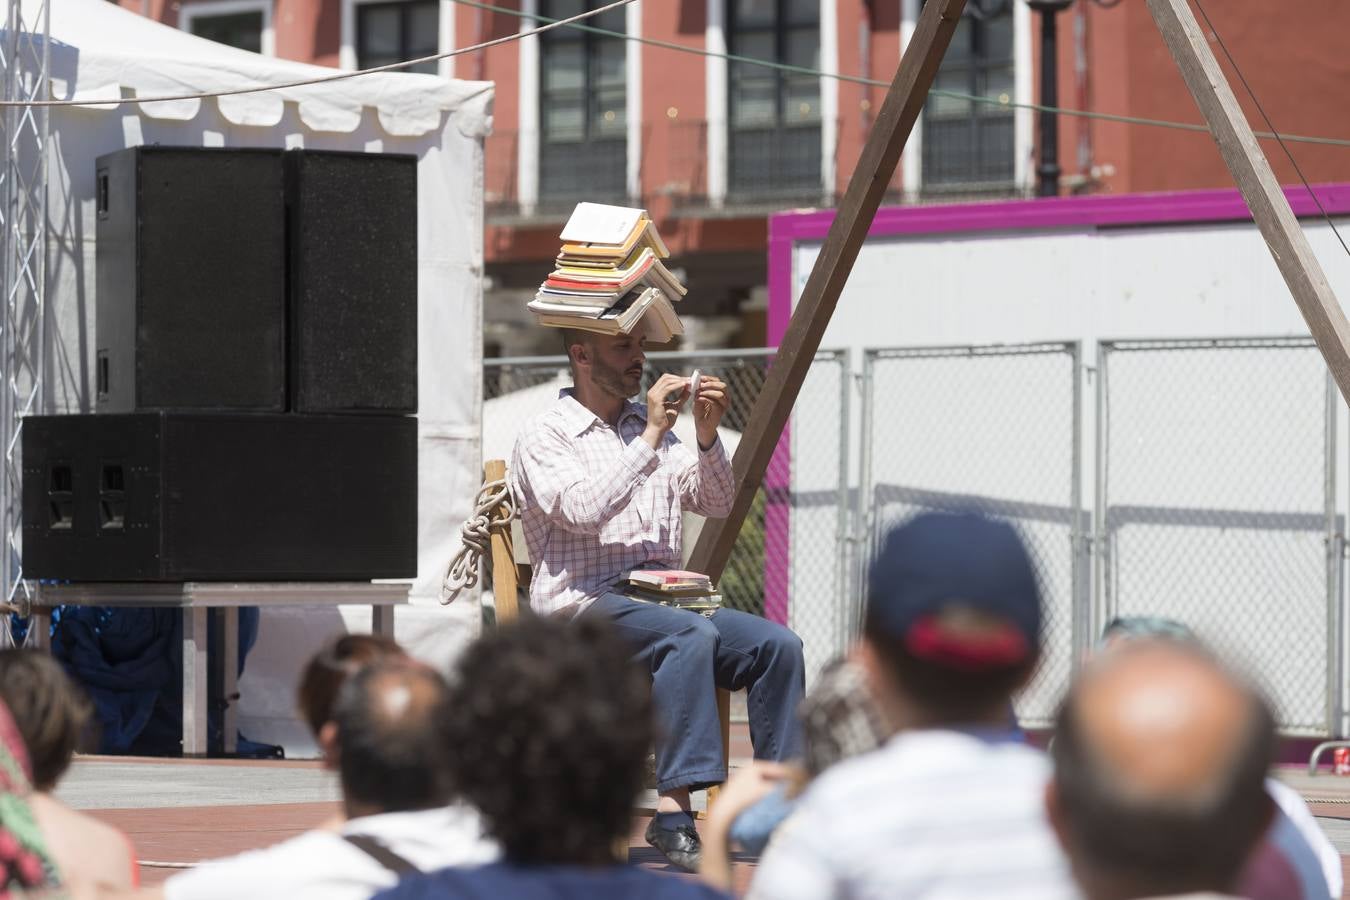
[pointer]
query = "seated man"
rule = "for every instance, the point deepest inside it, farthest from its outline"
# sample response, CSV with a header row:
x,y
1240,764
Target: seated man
x,y
548,732
387,738
600,483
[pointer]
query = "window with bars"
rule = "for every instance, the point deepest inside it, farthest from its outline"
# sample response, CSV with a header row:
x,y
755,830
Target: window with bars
x,y
969,146
583,129
393,32
774,139
243,29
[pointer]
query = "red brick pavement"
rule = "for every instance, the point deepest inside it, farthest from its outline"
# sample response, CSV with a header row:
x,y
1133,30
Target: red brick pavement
x,y
191,834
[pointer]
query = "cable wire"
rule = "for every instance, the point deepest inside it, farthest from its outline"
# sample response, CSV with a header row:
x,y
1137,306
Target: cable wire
x,y
873,82
323,79
573,22
1218,38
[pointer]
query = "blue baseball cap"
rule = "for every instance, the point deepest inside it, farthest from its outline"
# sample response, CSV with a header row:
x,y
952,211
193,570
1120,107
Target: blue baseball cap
x,y
937,565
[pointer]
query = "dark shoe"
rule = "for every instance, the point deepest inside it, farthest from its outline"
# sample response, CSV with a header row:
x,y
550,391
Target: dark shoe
x,y
680,845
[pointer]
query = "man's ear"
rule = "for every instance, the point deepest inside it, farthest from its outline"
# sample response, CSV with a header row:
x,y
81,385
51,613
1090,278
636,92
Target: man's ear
x,y
329,745
579,353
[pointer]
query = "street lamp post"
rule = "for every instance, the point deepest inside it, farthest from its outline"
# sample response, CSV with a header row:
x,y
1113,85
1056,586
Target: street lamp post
x,y
1047,170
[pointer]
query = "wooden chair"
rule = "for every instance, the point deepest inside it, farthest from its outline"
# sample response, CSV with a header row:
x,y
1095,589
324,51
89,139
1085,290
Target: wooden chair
x,y
511,584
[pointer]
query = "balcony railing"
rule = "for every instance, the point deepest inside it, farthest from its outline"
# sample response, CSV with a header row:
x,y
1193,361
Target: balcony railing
x,y
765,169
568,173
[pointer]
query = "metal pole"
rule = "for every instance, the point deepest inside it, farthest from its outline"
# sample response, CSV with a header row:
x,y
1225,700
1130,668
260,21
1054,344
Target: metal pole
x,y
1047,172
1079,599
1334,544
23,206
1101,583
845,543
863,511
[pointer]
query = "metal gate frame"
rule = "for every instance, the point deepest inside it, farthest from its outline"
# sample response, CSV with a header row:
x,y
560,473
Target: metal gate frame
x,y
1080,538
1102,604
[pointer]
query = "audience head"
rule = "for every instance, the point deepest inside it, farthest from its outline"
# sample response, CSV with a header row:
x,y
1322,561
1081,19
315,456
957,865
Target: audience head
x,y
330,667
388,734
1160,761
953,621
52,713
840,719
1128,628
550,729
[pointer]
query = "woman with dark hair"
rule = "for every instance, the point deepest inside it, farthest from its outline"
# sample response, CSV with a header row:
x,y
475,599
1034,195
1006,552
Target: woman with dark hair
x,y
52,716
550,726
25,863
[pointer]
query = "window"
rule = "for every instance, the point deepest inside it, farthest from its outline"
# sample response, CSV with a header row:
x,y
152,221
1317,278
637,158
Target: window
x,y
245,24
393,32
583,129
775,125
967,145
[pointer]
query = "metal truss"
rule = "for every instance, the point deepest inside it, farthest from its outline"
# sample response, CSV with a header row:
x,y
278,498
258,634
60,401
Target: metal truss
x,y
25,58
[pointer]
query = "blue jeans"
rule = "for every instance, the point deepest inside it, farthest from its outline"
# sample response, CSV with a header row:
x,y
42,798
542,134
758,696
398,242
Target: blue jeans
x,y
689,656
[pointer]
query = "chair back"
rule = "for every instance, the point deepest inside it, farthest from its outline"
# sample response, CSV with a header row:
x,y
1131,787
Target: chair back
x,y
510,579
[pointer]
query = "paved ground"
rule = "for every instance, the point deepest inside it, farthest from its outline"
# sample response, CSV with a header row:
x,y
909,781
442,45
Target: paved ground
x,y
181,812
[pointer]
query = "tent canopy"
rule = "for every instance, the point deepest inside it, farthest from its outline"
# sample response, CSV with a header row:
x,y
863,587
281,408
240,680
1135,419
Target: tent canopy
x,y
103,52
100,51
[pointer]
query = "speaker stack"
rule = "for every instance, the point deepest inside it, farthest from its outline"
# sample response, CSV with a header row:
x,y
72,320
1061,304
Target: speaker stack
x,y
256,376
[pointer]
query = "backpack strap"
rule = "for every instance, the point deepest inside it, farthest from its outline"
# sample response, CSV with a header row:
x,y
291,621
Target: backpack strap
x,y
381,854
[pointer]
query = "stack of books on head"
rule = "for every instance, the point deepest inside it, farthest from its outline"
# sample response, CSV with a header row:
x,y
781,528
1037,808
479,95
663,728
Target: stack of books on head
x,y
673,587
609,276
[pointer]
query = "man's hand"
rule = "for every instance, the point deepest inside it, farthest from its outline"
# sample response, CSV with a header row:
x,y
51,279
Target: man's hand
x,y
745,788
663,406
709,407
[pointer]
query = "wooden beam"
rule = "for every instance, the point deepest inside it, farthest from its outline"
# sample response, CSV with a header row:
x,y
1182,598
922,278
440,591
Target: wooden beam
x,y
504,574
871,177
1265,198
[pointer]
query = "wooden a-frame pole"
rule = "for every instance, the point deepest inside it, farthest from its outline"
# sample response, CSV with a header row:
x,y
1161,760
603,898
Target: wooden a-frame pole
x,y
880,154
1251,170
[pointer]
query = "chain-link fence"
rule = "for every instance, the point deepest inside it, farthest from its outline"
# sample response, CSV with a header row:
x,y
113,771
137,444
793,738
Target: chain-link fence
x,y
788,563
994,429
1214,493
1215,505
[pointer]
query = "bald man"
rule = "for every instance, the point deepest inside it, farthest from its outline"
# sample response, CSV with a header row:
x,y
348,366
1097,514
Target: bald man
x,y
1160,764
387,740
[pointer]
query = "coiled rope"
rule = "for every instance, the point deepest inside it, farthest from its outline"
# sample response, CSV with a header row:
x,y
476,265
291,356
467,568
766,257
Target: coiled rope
x,y
493,511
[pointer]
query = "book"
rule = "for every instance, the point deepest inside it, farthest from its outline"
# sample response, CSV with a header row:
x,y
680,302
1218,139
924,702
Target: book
x,y
620,318
659,578
609,277
598,223
644,235
706,603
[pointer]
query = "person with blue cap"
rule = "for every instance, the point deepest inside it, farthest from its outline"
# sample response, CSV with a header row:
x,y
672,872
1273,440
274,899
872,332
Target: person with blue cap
x,y
951,805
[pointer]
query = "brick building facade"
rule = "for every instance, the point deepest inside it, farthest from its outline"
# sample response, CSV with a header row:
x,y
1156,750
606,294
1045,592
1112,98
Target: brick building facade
x,y
711,146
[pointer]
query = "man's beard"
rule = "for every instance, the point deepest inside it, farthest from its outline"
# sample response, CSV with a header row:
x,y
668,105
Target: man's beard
x,y
615,381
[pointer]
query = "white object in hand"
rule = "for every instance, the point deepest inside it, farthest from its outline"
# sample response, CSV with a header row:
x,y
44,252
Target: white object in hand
x,y
693,390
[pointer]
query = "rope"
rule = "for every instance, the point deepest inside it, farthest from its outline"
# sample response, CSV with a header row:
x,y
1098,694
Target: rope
x,y
493,511
1271,125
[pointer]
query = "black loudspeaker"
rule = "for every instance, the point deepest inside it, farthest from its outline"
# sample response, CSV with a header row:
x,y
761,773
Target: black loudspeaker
x,y
191,275
353,281
198,496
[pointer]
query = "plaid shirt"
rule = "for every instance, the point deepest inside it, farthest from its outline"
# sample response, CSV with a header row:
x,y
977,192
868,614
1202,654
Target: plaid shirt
x,y
597,502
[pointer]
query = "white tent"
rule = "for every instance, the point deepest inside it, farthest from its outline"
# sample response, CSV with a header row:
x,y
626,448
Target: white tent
x,y
100,51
